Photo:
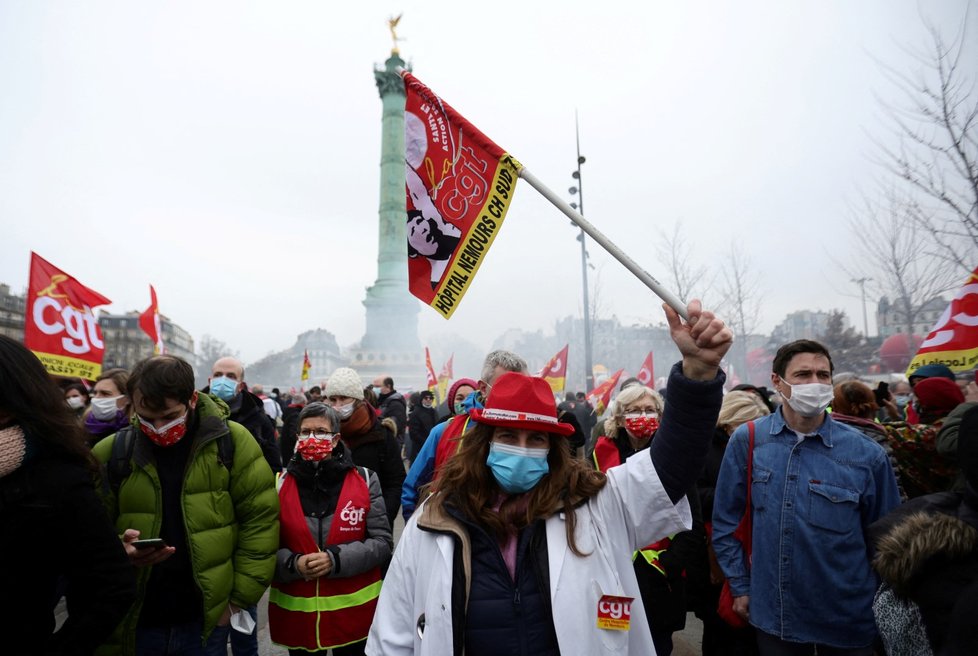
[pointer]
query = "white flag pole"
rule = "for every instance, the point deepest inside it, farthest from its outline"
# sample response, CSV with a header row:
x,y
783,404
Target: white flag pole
x,y
671,299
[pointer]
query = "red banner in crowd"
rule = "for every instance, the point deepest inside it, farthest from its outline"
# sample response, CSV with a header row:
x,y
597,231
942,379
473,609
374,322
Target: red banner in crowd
x,y
646,375
306,365
149,321
430,371
60,326
555,371
600,396
459,187
953,340
445,377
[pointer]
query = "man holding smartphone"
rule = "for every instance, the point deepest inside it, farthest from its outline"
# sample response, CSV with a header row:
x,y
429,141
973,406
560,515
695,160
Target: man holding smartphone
x,y
198,483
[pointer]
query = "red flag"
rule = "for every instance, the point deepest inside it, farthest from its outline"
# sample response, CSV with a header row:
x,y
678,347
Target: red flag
x,y
445,377
646,375
306,365
149,321
555,371
953,340
600,396
432,380
459,186
60,326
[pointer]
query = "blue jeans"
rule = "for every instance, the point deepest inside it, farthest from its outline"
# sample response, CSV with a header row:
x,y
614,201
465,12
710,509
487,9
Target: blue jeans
x,y
246,644
770,645
181,640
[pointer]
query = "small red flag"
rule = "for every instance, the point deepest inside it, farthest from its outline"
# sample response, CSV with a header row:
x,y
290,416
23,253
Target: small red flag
x,y
149,321
459,187
646,375
430,371
954,338
445,377
600,396
60,326
555,371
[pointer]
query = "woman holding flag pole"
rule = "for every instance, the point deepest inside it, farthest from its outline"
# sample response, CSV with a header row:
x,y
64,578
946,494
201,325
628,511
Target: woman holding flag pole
x,y
526,550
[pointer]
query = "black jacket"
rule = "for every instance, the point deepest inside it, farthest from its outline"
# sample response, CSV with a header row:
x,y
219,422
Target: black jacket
x,y
57,536
394,406
420,423
248,410
290,431
927,551
376,448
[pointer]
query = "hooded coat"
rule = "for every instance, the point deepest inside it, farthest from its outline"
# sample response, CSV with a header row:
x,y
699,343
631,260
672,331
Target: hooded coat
x,y
230,516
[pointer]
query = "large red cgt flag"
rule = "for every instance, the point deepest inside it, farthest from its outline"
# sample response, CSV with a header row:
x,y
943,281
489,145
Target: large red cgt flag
x,y
600,396
555,371
149,321
954,338
646,375
459,187
60,326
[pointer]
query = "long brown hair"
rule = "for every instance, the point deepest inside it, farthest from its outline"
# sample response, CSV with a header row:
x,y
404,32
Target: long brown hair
x,y
467,483
35,401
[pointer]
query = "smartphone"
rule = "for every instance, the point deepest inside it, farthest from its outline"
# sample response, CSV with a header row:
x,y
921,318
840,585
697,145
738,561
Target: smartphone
x,y
882,393
152,543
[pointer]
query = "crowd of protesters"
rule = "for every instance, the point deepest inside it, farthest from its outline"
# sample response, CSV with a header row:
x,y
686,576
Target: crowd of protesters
x,y
161,514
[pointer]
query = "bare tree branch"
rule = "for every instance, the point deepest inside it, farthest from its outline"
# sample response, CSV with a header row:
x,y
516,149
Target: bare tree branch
x,y
936,157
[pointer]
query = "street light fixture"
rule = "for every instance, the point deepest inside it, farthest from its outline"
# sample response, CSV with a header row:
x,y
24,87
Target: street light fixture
x,y
578,190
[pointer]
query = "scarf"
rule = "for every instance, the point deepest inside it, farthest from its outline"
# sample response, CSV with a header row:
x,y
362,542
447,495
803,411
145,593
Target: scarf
x,y
13,449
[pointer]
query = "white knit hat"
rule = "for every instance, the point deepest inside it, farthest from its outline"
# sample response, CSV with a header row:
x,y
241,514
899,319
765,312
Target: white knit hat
x,y
344,382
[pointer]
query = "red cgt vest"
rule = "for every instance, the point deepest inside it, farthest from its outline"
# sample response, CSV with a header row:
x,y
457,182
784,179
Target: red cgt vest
x,y
606,456
323,613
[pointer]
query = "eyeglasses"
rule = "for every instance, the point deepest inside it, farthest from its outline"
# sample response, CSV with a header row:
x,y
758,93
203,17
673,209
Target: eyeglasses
x,y
317,434
641,411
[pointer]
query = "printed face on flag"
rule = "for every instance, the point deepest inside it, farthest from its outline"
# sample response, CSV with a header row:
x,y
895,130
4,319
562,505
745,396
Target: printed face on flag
x,y
459,185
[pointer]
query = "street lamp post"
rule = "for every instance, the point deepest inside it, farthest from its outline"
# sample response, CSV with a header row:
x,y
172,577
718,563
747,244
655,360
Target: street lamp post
x,y
862,286
579,206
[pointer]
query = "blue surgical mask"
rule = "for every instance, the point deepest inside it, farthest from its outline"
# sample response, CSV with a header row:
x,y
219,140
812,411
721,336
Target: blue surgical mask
x,y
376,390
224,388
901,400
517,469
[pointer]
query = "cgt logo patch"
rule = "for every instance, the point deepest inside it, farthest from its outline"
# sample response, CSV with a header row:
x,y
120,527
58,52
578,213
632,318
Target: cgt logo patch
x,y
615,613
352,516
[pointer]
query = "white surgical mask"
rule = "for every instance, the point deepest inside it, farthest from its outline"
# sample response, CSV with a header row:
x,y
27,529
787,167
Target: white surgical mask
x,y
76,402
809,399
105,408
344,411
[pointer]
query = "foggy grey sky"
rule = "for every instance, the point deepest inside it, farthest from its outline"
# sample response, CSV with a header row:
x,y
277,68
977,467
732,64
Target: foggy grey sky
x,y
228,153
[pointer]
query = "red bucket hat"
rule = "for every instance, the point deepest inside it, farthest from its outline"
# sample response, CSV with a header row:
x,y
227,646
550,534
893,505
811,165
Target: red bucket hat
x,y
938,395
521,402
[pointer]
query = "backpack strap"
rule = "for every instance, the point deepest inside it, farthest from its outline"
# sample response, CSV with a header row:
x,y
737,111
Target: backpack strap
x,y
120,462
225,450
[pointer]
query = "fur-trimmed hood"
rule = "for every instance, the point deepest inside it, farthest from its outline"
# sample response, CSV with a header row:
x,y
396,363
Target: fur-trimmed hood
x,y
904,550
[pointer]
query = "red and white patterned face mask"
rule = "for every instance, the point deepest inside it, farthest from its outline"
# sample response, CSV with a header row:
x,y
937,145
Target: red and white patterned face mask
x,y
640,425
166,435
316,447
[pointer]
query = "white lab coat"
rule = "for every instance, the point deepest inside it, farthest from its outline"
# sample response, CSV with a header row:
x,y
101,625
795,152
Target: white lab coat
x,y
630,512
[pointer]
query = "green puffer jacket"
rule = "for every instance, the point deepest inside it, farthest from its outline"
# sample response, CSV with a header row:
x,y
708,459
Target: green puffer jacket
x,y
231,518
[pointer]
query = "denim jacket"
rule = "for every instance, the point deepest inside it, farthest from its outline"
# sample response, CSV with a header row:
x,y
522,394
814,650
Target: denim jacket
x,y
810,578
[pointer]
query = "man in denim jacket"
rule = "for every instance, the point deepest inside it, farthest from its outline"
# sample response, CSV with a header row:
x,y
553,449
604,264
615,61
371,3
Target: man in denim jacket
x,y
816,487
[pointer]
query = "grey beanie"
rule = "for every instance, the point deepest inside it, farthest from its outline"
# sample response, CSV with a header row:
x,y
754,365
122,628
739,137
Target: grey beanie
x,y
345,382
